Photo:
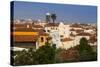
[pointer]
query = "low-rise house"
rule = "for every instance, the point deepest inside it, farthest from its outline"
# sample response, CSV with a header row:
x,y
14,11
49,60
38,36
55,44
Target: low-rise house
x,y
67,43
25,39
76,31
50,27
42,23
81,35
37,27
91,31
76,26
21,25
73,31
29,38
43,39
93,41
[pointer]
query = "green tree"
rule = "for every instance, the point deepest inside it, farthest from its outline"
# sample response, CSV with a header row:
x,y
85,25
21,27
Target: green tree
x,y
21,58
25,57
43,55
46,54
86,52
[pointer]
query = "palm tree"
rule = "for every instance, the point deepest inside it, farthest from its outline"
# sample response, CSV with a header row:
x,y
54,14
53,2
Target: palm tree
x,y
53,16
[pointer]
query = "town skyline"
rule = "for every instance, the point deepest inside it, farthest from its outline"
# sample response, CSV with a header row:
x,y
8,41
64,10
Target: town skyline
x,y
72,13
45,33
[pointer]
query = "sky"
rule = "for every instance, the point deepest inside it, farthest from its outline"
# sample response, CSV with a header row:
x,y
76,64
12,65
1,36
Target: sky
x,y
64,12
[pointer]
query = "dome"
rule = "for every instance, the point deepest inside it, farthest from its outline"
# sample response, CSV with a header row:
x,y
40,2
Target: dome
x,y
47,13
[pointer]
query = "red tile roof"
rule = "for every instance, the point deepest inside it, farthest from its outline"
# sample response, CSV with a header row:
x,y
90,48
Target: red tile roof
x,y
73,35
66,39
83,34
72,29
24,29
79,31
24,38
76,26
37,26
92,39
43,34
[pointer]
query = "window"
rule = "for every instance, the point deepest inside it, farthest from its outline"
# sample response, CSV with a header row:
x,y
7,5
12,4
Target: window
x,y
48,30
56,28
60,39
44,30
42,39
61,35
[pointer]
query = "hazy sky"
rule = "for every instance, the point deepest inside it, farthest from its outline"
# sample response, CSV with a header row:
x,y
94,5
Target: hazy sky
x,y
64,12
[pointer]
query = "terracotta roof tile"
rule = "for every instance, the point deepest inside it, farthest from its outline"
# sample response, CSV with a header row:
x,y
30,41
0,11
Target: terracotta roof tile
x,y
76,26
66,39
92,39
43,34
79,31
24,29
24,38
37,26
83,34
72,29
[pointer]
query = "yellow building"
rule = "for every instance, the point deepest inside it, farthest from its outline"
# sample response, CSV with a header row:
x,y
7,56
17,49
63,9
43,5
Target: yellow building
x,y
43,39
29,37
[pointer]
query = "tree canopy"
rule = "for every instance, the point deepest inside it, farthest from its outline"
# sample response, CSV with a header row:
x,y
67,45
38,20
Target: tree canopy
x,y
43,55
85,51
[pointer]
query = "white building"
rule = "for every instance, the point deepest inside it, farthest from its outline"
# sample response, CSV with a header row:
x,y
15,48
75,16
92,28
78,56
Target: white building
x,y
81,35
57,31
67,43
64,30
67,36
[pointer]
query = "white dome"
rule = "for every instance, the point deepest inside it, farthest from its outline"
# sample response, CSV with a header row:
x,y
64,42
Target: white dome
x,y
47,13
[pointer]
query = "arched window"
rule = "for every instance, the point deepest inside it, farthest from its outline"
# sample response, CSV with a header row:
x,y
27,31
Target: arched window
x,y
42,39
